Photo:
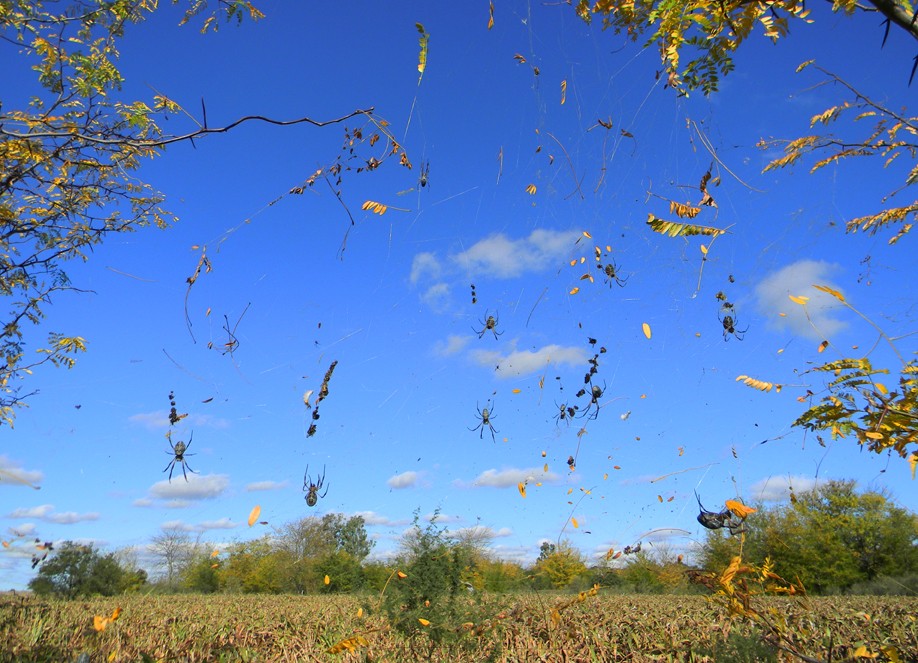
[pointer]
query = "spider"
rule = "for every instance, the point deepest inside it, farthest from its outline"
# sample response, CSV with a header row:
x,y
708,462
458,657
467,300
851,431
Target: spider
x,y
488,324
612,275
729,322
595,394
312,489
726,518
178,456
425,174
485,420
565,413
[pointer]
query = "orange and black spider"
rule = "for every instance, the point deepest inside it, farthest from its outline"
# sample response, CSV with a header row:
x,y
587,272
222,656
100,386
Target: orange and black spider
x,y
178,452
484,417
312,489
489,323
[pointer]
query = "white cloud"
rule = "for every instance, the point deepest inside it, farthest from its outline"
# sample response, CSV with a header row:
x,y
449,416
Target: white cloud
x,y
403,480
142,502
373,518
510,477
32,512
425,264
436,296
452,345
266,485
482,532
25,529
222,523
502,257
524,362
798,279
12,470
177,525
46,513
70,517
778,489
196,488
178,504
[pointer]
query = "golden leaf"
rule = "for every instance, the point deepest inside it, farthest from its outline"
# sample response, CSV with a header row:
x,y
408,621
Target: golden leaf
x,y
116,613
422,55
646,329
402,575
545,468
799,300
835,293
605,476
555,617
253,516
739,509
327,580
490,15
522,488
99,622
214,565
563,92
704,250
575,523
215,553
516,391
913,461
519,58
423,621
822,346
574,291
873,435
674,229
616,467
761,385
882,388
531,189
660,499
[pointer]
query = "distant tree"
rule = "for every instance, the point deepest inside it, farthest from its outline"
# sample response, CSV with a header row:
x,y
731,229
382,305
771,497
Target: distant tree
x,y
173,549
654,571
343,571
560,567
830,538
201,575
78,570
350,535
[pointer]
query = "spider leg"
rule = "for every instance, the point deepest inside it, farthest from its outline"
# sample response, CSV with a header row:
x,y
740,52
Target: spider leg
x,y
183,471
326,491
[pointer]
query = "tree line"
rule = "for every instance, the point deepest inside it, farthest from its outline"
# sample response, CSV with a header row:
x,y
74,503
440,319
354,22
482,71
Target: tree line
x,y
831,538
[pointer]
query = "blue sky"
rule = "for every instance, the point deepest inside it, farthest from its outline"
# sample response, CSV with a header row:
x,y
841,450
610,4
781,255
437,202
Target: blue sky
x,y
396,310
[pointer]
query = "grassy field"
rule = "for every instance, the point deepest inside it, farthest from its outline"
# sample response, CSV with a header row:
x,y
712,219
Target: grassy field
x,y
526,627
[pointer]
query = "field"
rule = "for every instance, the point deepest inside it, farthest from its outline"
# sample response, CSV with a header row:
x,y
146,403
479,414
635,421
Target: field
x,y
520,628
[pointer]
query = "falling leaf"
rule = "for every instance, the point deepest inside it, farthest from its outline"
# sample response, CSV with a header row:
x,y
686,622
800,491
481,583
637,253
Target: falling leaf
x,y
545,468
681,450
646,329
625,415
402,575
616,467
208,400
99,622
373,206
739,509
704,250
522,488
835,293
253,516
575,523
423,621
531,189
327,580
544,454
422,55
563,92
519,58
605,476
574,291
913,461
587,235
516,391
670,498
359,612
798,300
570,490
490,15
873,435
306,398
822,346
555,617
214,565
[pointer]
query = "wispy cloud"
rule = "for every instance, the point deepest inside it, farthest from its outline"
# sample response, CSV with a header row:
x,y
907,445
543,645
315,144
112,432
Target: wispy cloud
x,y
482,532
502,257
437,296
266,485
425,265
13,475
525,362
46,513
452,345
373,518
509,477
778,489
159,419
404,480
222,523
196,488
798,279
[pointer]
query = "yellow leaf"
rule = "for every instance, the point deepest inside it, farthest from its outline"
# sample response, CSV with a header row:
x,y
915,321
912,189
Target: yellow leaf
x,y
213,566
327,579
913,461
863,652
423,621
402,575
646,329
111,657
116,613
215,553
835,293
491,16
531,189
575,523
822,346
99,622
545,468
882,388
360,612
798,300
873,435
739,509
704,250
522,488
253,516
422,56
605,476
563,91
574,291
660,499
516,391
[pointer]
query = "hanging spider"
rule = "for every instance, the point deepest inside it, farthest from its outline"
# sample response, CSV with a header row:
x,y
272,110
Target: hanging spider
x,y
595,394
178,456
565,413
612,273
488,324
729,323
485,420
423,180
312,489
726,518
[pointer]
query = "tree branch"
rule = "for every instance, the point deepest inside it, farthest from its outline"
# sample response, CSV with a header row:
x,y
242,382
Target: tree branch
x,y
896,13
